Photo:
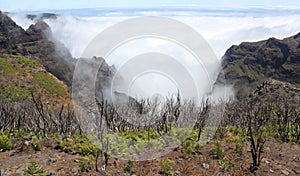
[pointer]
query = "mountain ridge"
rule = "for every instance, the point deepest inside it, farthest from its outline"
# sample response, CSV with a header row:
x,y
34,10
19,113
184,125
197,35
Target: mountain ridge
x,y
249,64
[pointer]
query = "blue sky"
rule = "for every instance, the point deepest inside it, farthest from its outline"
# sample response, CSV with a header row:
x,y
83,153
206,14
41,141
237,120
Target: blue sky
x,y
23,5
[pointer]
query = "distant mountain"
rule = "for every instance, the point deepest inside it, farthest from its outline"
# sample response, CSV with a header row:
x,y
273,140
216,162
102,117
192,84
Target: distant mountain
x,y
42,16
250,64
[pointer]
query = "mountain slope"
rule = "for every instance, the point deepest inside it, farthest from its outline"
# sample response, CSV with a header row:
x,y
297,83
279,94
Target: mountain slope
x,y
37,44
250,64
20,77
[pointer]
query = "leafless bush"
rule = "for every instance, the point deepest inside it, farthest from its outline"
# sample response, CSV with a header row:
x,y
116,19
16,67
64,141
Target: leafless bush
x,y
36,115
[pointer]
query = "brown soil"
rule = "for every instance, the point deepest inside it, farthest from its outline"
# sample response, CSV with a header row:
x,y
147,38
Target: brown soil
x,y
278,159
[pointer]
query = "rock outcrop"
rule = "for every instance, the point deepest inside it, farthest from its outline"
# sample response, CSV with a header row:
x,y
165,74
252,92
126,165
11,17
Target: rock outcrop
x,y
274,91
250,64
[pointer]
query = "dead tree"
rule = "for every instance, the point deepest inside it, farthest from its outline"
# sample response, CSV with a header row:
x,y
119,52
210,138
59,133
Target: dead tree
x,y
258,116
202,117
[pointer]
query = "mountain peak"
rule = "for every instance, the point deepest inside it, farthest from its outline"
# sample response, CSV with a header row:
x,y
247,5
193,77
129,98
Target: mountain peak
x,y
40,26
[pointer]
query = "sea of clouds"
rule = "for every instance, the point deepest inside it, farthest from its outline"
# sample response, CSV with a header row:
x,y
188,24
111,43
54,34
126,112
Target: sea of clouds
x,y
221,28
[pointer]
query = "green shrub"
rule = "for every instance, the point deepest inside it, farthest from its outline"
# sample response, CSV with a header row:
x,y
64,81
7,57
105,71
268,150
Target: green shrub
x,y
239,143
84,146
34,169
235,130
85,164
54,135
65,146
5,142
80,144
239,148
166,166
21,133
189,147
221,132
36,145
234,139
217,152
140,136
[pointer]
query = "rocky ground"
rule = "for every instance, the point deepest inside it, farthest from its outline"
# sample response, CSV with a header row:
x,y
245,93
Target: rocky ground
x,y
278,159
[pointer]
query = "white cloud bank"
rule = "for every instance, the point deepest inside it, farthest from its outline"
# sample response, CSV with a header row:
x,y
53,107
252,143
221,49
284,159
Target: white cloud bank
x,y
221,29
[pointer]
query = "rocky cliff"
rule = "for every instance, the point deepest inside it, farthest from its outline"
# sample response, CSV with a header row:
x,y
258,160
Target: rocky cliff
x,y
249,64
37,44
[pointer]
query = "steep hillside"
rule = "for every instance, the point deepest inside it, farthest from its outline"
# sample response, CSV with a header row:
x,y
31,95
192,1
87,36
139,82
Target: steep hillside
x,y
21,77
249,64
37,44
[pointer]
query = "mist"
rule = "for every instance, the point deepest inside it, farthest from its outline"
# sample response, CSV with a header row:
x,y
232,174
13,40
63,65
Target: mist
x,y
220,28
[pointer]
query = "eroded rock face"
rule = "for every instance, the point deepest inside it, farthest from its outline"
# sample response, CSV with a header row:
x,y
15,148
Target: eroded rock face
x,y
250,64
36,43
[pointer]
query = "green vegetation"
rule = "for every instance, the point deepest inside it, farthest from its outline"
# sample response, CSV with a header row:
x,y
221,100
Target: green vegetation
x,y
138,141
50,84
217,152
236,67
128,167
13,94
28,62
239,143
36,145
85,164
34,169
6,68
13,71
226,164
140,136
5,142
78,144
191,145
248,72
166,166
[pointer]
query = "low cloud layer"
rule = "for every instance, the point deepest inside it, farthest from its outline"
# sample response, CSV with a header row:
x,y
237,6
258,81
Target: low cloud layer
x,y
221,29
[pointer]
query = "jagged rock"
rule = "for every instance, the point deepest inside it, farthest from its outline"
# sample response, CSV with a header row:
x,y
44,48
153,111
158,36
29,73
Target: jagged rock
x,y
36,43
249,64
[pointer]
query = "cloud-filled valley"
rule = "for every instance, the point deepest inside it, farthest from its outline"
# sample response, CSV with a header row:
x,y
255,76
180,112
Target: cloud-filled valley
x,y
220,28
